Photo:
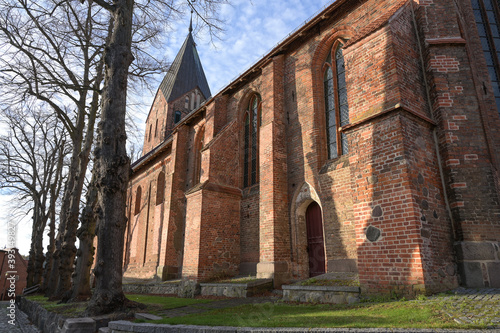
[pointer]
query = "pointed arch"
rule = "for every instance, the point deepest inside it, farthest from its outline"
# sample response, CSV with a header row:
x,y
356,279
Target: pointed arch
x,y
323,62
303,197
335,97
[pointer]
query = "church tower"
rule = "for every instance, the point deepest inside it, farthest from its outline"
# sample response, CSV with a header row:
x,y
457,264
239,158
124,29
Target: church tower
x,y
183,89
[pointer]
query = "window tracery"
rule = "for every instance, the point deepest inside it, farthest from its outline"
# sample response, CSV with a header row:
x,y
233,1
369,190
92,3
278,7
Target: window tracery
x,y
252,123
487,15
336,106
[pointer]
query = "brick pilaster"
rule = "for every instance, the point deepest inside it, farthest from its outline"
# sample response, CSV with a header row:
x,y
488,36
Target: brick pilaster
x,y
173,224
274,228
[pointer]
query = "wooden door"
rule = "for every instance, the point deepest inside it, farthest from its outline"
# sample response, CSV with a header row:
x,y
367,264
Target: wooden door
x,y
315,242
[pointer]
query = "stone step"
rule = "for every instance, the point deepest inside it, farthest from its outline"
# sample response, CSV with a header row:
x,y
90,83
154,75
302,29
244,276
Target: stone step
x,y
147,316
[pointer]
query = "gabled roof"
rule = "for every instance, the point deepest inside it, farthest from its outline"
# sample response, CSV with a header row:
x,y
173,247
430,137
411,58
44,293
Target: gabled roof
x,y
185,73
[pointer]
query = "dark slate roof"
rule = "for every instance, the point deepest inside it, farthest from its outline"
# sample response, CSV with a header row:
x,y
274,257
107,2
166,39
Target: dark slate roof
x,y
185,73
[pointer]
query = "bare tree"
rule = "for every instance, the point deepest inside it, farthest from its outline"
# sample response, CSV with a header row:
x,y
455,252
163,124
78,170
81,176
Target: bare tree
x,y
51,53
111,160
31,166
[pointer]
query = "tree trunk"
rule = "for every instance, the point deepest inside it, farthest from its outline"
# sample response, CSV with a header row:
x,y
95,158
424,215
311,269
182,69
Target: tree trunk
x,y
54,273
39,256
113,166
66,257
36,257
81,289
50,251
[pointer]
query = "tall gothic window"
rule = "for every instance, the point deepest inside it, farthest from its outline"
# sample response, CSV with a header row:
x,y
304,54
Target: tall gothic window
x,y
487,14
160,188
197,158
138,195
336,108
252,124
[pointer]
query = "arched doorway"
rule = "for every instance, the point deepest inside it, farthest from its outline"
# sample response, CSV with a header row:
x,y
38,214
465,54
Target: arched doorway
x,y
315,241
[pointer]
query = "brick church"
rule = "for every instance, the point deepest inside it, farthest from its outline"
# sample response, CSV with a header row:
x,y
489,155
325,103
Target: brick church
x,y
367,141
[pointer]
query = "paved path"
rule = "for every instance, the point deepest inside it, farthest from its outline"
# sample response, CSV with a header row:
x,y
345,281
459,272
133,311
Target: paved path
x,y
471,305
21,321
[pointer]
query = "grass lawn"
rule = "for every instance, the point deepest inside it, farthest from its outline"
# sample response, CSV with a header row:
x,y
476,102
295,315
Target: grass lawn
x,y
154,304
67,309
397,314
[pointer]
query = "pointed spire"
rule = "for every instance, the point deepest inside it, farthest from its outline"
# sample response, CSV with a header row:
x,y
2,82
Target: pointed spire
x,y
185,73
191,22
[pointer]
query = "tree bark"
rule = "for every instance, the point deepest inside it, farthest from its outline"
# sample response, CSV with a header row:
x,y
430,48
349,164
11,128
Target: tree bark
x,y
81,289
50,250
113,166
36,257
69,218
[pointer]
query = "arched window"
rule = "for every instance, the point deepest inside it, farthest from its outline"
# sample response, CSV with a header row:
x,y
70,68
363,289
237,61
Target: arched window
x,y
138,195
487,15
177,117
160,188
198,147
252,123
336,107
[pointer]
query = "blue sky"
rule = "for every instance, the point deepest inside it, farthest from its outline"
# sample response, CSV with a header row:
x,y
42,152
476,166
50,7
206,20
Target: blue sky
x,y
253,27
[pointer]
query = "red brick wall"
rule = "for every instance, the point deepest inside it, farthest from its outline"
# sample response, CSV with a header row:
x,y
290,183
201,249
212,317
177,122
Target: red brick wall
x,y
151,216
212,246
21,273
158,113
418,96
434,224
164,113
249,228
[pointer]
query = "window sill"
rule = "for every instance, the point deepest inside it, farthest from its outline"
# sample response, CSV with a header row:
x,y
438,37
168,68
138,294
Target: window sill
x,y
251,190
335,164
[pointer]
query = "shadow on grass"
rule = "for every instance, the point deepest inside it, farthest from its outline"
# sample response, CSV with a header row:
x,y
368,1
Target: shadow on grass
x,y
392,314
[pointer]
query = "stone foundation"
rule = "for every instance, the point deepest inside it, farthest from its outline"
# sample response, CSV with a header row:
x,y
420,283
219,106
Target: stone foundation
x,y
321,294
160,289
479,264
236,289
